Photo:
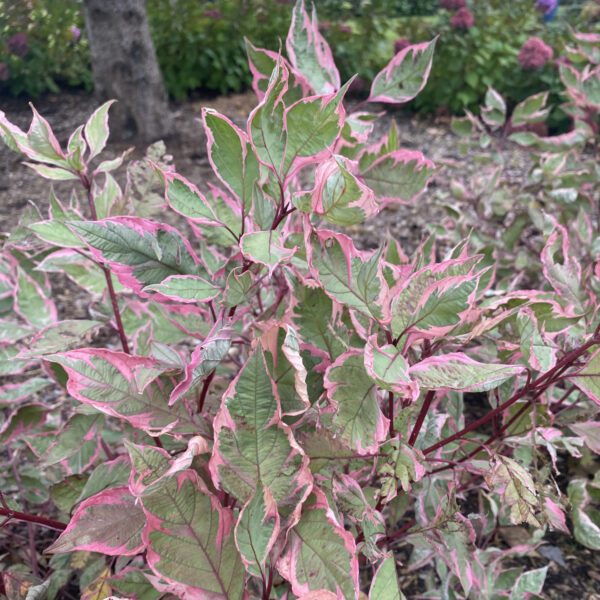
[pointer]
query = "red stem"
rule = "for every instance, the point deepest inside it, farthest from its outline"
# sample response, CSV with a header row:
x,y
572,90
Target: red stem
x,y
421,417
391,413
15,515
204,392
87,184
539,386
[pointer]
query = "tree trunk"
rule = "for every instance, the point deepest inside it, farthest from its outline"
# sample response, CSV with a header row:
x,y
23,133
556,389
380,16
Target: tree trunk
x,y
125,68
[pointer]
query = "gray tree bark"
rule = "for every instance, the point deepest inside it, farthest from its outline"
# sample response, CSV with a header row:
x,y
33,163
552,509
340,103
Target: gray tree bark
x,y
125,68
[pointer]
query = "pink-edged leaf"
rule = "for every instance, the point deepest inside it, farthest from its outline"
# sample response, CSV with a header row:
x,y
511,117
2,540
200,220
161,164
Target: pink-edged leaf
x,y
79,269
59,337
555,516
357,418
531,110
389,369
253,446
262,63
110,522
32,303
589,431
256,531
231,155
403,466
319,595
309,53
287,368
320,554
352,502
22,421
313,125
399,176
348,276
563,142
126,387
13,394
185,288
38,144
204,360
96,129
561,268
456,371
588,378
189,540
266,123
339,196
538,352
139,251
405,75
265,248
385,584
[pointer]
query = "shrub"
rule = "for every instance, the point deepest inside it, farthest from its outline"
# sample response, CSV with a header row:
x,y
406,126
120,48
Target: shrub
x,y
277,409
479,48
41,51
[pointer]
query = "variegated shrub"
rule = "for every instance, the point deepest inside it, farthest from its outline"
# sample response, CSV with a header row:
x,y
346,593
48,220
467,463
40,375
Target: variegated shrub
x,y
257,408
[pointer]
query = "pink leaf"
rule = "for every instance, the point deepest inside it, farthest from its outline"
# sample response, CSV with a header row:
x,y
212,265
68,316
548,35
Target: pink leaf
x,y
309,52
109,523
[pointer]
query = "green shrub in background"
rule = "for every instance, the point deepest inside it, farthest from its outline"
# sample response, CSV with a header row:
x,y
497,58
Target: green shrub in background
x,y
42,47
476,53
200,44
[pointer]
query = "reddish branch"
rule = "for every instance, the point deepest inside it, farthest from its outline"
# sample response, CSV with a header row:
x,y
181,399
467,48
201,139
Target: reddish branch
x,y
15,515
87,184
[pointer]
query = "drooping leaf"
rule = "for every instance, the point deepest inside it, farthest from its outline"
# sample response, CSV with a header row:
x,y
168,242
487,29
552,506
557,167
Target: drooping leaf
x,y
32,303
385,584
126,387
109,523
309,53
320,554
456,371
586,524
253,445
189,540
256,531
405,75
357,417
510,479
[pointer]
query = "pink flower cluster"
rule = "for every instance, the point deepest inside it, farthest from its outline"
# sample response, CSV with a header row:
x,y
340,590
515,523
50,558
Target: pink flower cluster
x,y
534,54
462,19
18,44
400,44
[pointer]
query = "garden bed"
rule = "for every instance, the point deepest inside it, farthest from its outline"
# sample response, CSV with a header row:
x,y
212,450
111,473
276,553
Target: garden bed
x,y
574,571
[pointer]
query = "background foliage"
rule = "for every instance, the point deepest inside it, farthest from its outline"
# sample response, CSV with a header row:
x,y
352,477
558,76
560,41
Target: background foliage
x,y
200,45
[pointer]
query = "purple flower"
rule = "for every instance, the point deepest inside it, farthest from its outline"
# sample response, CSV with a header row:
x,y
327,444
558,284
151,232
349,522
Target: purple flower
x,y
462,19
546,6
453,4
534,54
213,13
4,72
75,33
400,44
18,44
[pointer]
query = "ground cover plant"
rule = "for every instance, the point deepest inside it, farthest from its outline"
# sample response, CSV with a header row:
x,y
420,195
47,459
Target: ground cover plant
x,y
257,408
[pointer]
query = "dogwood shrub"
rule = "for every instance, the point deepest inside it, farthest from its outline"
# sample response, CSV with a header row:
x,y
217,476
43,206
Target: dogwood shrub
x,y
255,407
